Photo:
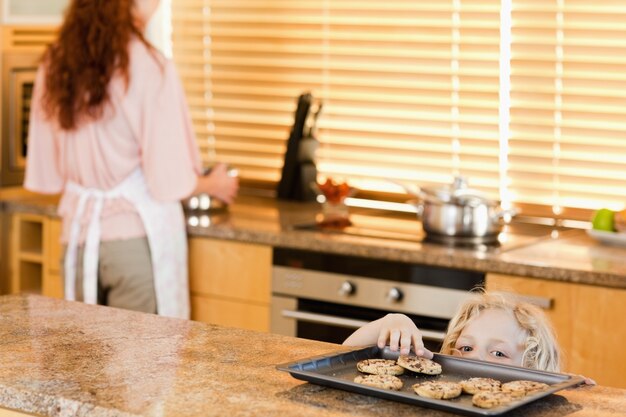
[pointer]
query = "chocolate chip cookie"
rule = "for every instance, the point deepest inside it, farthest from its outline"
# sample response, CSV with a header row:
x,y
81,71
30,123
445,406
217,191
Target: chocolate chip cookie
x,y
380,367
420,365
440,390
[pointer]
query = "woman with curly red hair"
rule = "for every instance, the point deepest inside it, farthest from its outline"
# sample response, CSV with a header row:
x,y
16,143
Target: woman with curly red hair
x,y
110,129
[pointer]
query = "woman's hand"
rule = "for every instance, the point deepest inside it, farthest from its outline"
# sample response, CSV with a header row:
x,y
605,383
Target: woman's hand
x,y
397,330
219,183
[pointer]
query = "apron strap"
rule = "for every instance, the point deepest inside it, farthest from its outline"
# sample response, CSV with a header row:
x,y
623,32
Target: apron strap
x,y
91,255
72,247
92,242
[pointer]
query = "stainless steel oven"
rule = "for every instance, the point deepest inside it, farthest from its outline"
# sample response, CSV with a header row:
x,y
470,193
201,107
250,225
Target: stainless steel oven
x,y
327,296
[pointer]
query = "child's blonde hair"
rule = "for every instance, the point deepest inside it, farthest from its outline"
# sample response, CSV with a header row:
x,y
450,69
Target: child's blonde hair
x,y
541,349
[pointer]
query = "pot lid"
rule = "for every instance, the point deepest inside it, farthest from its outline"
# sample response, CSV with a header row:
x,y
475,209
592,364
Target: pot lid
x,y
458,193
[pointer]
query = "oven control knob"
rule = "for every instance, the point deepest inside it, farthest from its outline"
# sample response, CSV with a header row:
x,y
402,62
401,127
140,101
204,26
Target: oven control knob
x,y
394,295
347,289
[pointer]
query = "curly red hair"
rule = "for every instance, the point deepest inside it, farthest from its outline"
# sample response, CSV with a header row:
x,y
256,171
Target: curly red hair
x,y
92,45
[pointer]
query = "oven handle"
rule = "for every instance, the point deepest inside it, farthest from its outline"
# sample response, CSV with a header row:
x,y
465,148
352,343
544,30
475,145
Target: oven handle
x,y
349,323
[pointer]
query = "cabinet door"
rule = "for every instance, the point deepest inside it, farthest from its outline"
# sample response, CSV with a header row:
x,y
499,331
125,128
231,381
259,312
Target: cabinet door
x,y
588,321
243,315
53,281
36,255
230,282
27,252
5,261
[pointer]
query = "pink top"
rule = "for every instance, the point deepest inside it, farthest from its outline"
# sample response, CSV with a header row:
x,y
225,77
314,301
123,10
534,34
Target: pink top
x,y
147,126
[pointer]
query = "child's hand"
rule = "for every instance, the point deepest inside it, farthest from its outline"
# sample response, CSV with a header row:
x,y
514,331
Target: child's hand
x,y
400,331
397,329
588,381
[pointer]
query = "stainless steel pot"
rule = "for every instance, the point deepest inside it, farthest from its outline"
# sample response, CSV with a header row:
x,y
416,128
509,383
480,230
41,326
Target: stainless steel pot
x,y
205,202
457,211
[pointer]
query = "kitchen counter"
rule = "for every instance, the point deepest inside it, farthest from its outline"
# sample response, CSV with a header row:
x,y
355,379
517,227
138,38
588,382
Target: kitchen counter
x,y
570,257
63,358
18,199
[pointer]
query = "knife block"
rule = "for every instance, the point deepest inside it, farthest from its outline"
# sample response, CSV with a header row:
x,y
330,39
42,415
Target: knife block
x,y
299,169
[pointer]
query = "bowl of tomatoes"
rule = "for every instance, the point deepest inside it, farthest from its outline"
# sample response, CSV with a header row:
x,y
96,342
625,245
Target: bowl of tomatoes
x,y
333,194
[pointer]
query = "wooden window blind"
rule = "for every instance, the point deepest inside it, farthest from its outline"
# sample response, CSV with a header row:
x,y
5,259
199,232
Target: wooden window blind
x,y
568,103
243,63
411,91
409,88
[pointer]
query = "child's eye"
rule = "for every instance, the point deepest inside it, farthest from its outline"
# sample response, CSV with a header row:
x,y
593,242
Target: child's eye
x,y
499,354
465,349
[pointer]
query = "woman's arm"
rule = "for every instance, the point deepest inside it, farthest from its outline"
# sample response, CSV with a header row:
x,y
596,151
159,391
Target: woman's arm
x,y
396,329
43,173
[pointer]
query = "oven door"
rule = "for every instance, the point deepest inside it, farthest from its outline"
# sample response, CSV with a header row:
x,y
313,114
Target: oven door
x,y
330,322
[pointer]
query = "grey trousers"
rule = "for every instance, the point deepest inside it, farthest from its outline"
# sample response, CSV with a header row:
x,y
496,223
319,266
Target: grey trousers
x,y
125,278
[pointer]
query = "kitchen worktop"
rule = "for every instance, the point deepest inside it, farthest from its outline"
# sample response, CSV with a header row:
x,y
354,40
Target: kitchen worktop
x,y
63,358
571,256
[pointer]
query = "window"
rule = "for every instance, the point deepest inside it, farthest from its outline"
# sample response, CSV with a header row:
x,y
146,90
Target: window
x,y
415,91
568,103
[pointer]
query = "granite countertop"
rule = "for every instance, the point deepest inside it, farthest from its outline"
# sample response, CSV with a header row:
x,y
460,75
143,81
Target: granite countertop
x,y
571,256
62,358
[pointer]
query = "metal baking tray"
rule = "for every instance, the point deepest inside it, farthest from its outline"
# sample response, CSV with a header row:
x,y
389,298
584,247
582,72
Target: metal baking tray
x,y
339,371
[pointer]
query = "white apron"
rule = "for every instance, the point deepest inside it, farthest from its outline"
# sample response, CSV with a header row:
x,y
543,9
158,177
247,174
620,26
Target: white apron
x,y
165,229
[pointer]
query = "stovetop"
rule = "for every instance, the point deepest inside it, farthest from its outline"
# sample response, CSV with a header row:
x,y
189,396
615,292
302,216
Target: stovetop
x,y
404,227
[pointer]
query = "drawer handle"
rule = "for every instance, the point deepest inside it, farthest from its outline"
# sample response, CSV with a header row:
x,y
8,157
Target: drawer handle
x,y
349,323
542,302
323,319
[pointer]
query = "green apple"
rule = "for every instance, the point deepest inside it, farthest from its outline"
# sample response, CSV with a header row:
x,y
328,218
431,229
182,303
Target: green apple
x,y
604,219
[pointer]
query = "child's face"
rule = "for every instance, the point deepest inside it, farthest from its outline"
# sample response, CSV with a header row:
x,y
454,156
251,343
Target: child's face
x,y
494,336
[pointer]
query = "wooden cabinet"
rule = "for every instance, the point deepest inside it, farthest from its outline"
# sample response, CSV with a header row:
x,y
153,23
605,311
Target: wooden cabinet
x,y
588,321
5,260
35,253
230,283
53,280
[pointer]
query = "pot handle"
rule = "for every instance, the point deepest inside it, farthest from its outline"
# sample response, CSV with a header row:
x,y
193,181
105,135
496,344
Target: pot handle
x,y
412,189
512,212
419,207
